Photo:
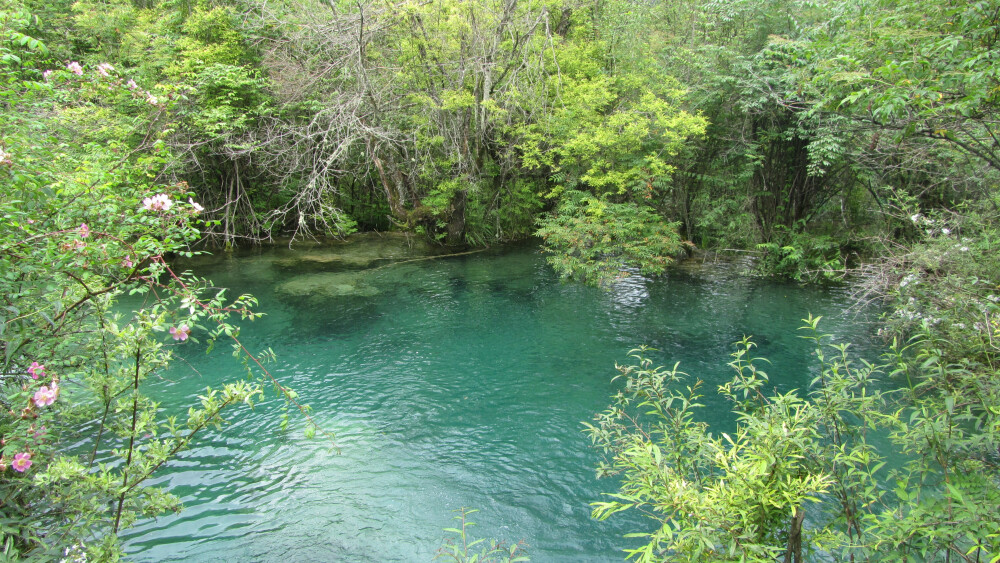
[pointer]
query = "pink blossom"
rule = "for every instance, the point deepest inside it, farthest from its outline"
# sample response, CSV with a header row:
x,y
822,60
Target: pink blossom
x,y
46,75
131,84
75,68
180,333
127,262
104,69
84,230
151,99
36,369
22,462
45,396
5,158
197,208
159,202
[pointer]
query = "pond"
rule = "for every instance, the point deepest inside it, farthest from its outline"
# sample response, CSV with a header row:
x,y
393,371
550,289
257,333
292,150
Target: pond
x,y
454,381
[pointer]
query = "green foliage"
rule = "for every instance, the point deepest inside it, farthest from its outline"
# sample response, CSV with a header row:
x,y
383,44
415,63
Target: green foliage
x,y
229,98
917,69
463,549
509,215
802,257
612,135
951,433
19,48
761,161
944,286
597,241
200,59
730,497
81,224
743,495
734,118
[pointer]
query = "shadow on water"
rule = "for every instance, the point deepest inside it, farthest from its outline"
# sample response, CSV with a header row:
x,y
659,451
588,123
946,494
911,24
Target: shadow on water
x,y
452,381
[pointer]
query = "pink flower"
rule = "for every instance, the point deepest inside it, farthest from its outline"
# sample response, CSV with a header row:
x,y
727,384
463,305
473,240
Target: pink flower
x,y
36,369
104,69
84,230
127,262
5,158
45,396
180,333
159,202
75,68
151,99
197,208
46,75
22,462
131,84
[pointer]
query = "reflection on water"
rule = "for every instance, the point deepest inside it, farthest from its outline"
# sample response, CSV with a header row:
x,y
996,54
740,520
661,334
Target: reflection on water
x,y
450,382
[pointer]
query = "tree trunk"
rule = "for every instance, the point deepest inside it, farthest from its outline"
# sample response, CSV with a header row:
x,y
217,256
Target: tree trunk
x,y
456,219
390,194
794,552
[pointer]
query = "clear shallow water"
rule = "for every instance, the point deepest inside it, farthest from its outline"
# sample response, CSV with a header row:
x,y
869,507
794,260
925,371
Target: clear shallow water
x,y
457,381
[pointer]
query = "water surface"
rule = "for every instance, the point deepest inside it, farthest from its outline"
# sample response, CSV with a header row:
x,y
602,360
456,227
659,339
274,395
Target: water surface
x,y
449,382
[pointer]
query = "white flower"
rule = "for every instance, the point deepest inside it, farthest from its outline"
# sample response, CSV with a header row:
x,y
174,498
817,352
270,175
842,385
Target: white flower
x,y
75,554
946,231
159,202
189,304
197,208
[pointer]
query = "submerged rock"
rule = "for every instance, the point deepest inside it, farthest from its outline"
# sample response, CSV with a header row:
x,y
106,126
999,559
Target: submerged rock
x,y
359,251
328,284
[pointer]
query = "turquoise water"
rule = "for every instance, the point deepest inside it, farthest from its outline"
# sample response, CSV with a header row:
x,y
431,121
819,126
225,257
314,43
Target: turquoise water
x,y
450,382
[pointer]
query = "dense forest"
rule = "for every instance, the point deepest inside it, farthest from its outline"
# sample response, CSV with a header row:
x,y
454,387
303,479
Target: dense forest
x,y
830,140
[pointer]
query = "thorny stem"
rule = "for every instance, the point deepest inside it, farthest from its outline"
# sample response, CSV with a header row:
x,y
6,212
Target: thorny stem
x,y
104,391
131,438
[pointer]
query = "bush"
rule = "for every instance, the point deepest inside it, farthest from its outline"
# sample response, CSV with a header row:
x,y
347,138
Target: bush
x,y
743,495
596,241
82,224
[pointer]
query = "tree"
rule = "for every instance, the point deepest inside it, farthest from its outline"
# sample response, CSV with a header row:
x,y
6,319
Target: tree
x,y
606,135
755,168
597,242
914,70
407,102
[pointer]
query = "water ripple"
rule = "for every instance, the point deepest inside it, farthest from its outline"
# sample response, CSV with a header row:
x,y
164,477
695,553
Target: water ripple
x,y
462,382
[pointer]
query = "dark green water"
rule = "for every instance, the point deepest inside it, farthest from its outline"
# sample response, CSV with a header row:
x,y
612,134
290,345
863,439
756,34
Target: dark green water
x,y
450,382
